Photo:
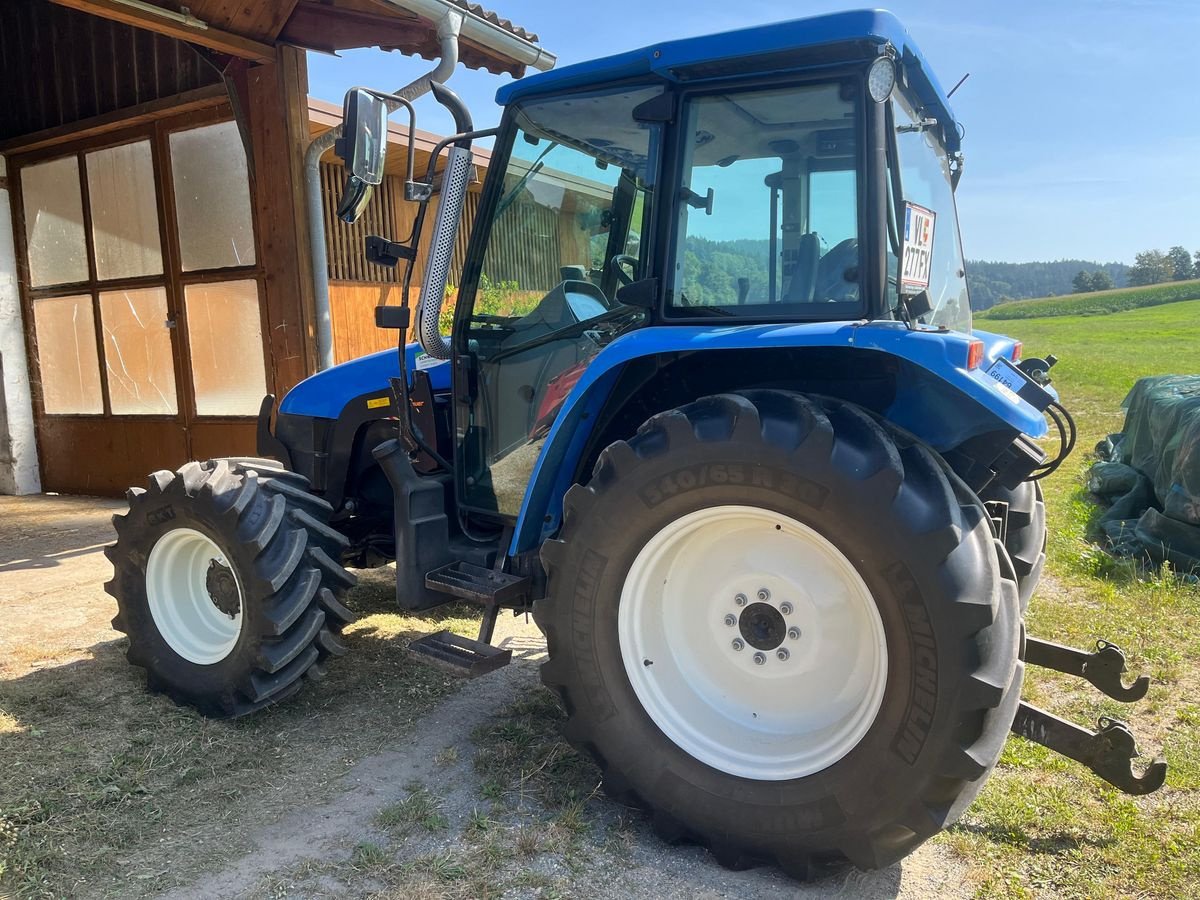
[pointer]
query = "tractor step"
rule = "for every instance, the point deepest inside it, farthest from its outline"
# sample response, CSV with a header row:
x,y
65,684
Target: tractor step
x,y
1108,752
481,585
460,655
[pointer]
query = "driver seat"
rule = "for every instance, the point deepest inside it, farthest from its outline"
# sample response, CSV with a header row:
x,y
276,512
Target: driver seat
x,y
804,270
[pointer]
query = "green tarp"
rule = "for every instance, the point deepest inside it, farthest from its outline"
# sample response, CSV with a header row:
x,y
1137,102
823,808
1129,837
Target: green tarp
x,y
1150,474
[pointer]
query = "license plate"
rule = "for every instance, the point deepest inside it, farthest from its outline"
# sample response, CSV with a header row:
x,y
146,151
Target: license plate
x,y
1007,374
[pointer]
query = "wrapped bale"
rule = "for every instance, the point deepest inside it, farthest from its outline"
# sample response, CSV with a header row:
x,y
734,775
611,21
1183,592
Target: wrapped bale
x,y
1152,473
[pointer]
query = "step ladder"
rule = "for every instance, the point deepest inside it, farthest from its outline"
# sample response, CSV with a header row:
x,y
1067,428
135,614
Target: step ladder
x,y
493,588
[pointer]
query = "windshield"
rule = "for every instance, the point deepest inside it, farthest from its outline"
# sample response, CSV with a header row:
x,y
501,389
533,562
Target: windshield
x,y
768,205
567,230
928,200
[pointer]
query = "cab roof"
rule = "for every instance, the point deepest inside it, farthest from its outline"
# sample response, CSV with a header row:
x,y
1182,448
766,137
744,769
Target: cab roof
x,y
845,36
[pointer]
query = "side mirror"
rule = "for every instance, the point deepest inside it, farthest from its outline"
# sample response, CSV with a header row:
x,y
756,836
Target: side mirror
x,y
363,148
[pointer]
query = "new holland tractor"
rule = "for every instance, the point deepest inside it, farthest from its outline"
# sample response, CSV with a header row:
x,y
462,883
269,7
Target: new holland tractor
x,y
710,406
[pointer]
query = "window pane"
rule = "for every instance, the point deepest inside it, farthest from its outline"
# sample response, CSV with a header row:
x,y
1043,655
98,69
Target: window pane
x,y
124,211
137,352
66,350
768,207
54,222
225,336
212,197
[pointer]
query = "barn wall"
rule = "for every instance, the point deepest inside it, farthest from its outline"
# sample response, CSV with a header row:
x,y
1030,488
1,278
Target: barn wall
x,y
18,447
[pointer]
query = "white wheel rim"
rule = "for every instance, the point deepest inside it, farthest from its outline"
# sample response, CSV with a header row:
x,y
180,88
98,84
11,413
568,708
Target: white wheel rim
x,y
185,614
772,720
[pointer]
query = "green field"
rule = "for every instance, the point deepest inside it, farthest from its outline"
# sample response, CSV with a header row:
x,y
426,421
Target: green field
x,y
1043,825
1097,304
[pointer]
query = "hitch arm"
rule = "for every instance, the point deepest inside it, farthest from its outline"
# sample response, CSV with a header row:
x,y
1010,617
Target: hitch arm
x,y
1108,752
1103,668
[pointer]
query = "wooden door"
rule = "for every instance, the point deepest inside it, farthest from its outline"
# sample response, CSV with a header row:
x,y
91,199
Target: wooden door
x,y
142,286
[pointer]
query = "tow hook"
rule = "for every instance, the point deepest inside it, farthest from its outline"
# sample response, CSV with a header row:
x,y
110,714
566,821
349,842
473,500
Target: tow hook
x,y
1103,668
1108,752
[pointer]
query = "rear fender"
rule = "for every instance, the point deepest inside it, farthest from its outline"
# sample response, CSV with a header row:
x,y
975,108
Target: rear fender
x,y
937,397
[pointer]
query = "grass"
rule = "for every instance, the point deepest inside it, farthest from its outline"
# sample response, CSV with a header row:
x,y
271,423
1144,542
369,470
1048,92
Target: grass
x,y
1044,826
107,789
1095,304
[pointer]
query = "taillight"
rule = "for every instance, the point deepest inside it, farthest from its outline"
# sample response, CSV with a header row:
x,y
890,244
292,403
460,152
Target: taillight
x,y
975,355
1016,351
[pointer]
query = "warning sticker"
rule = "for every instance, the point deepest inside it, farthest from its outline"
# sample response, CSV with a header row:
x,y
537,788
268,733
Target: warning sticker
x,y
378,402
918,248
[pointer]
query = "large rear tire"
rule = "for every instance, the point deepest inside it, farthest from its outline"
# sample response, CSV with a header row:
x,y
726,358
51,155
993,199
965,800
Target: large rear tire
x,y
880,554
228,581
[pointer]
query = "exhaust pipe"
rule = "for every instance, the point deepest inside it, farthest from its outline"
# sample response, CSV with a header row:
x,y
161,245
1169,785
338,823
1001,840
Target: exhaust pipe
x,y
455,178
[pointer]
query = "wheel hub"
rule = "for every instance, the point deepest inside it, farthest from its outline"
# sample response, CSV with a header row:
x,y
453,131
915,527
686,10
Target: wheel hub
x,y
752,642
762,626
222,588
194,596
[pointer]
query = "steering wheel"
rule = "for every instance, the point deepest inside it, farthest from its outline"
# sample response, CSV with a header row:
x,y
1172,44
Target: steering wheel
x,y
616,263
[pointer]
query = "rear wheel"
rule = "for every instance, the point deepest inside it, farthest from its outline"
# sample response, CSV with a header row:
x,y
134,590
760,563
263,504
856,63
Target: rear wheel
x,y
783,628
228,581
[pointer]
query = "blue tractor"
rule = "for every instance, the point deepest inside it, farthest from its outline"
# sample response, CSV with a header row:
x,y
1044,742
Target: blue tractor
x,y
711,407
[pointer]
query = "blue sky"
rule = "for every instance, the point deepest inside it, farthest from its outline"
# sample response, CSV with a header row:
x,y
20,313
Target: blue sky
x,y
1082,117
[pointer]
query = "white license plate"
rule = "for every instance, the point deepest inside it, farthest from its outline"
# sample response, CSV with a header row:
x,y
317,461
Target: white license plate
x,y
1007,374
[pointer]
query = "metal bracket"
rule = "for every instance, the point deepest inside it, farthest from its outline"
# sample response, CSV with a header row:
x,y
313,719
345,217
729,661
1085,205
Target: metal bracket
x,y
1103,668
1108,752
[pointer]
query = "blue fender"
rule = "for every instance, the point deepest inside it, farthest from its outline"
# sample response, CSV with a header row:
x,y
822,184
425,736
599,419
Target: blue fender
x,y
938,398
326,393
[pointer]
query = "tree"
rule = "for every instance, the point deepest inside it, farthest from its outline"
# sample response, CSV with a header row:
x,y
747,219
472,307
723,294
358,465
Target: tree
x,y
1082,282
1197,267
1181,264
1151,267
1101,281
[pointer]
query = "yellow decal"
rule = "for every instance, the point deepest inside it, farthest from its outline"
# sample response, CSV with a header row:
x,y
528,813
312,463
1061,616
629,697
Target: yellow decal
x,y
377,402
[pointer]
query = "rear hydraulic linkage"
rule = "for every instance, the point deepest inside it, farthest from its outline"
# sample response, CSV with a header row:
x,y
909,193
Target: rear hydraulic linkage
x,y
1108,752
1102,668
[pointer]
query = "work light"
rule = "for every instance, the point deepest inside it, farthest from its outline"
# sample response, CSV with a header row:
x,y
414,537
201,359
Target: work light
x,y
881,78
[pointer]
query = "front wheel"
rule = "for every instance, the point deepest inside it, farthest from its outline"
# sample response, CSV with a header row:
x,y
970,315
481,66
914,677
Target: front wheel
x,y
783,628
228,581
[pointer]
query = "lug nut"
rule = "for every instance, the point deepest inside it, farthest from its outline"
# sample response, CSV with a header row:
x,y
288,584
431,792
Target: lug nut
x,y
794,633
738,644
764,594
782,655
759,659
785,608
730,620
740,599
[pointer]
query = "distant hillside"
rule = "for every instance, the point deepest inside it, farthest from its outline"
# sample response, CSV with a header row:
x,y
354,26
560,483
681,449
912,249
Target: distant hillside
x,y
1098,303
995,282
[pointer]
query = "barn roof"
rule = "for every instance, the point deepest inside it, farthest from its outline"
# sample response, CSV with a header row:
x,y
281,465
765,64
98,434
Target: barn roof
x,y
251,30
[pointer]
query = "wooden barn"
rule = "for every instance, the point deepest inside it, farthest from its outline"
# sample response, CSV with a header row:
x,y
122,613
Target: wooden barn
x,y
156,262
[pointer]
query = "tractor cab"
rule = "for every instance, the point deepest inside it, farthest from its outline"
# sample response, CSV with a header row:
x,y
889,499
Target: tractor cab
x,y
733,192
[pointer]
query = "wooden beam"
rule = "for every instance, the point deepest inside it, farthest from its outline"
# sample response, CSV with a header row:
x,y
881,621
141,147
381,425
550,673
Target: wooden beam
x,y
189,101
277,112
214,38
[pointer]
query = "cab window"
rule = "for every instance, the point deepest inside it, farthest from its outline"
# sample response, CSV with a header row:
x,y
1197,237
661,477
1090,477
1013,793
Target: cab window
x,y
924,180
767,205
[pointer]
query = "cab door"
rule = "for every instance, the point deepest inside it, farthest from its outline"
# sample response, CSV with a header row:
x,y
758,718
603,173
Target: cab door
x,y
565,226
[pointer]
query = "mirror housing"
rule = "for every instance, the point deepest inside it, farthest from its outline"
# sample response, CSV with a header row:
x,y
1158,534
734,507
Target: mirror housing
x,y
363,149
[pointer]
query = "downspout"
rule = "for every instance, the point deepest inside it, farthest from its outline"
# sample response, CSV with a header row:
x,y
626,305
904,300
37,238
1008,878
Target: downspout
x,y
447,32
